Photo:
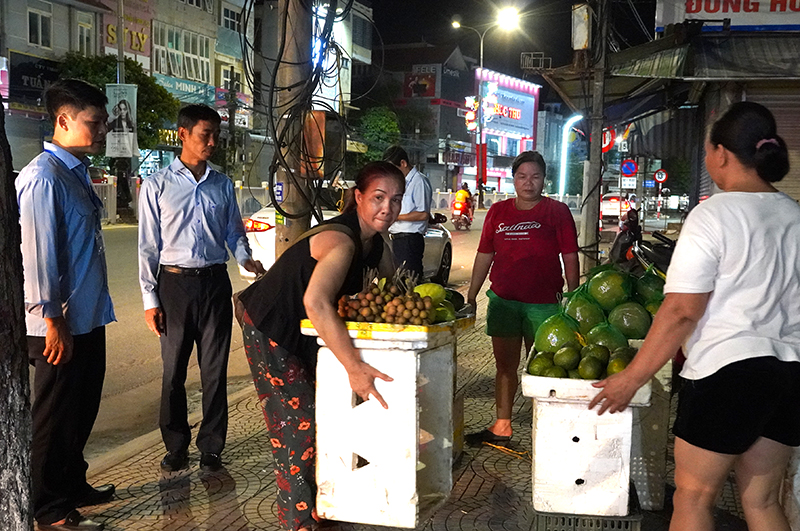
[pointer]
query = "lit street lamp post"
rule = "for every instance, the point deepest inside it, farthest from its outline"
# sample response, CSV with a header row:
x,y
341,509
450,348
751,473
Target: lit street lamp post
x,y
508,19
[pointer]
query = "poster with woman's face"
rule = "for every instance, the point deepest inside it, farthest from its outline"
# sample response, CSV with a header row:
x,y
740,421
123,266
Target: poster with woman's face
x,y
121,139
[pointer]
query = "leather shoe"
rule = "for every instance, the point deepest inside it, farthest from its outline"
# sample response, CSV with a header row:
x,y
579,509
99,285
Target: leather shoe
x,y
96,495
175,461
210,462
74,521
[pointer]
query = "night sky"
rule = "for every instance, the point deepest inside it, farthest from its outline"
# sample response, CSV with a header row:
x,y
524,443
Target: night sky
x,y
545,27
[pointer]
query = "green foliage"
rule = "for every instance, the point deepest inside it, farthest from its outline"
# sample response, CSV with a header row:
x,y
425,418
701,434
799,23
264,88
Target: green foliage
x,y
156,108
379,129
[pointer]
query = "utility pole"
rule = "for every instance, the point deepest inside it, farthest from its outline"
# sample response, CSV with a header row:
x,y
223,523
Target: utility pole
x,y
231,156
294,71
590,215
122,165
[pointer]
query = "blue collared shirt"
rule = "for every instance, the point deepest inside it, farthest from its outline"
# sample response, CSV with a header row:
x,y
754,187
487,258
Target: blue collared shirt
x,y
186,223
417,198
63,255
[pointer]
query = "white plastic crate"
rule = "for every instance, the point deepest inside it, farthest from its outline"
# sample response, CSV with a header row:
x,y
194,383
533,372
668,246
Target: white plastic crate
x,y
581,460
385,467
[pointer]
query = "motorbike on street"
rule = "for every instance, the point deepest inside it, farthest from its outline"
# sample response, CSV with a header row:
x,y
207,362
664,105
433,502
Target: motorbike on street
x,y
461,215
634,254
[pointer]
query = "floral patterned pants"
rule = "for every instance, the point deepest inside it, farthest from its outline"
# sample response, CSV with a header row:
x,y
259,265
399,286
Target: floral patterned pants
x,y
286,391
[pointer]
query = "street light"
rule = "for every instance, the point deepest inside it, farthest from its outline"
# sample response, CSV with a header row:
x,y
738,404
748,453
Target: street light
x,y
507,19
562,178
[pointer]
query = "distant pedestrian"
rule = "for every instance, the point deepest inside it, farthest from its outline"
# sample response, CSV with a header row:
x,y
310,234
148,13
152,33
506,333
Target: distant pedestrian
x,y
408,232
66,302
524,241
187,214
733,298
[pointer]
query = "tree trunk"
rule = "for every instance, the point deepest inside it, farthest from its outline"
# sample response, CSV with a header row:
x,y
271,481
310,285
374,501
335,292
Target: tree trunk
x,y
15,417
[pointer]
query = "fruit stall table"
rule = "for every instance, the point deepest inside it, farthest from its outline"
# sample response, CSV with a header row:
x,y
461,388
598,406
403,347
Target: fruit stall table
x,y
393,466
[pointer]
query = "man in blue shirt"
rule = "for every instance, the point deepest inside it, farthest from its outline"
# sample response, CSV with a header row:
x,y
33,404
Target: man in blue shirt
x,y
408,232
67,304
187,214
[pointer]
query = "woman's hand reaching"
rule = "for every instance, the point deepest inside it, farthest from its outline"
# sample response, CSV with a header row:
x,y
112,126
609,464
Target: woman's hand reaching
x,y
362,381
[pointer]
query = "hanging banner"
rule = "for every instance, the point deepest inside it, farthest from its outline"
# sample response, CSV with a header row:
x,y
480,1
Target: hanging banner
x,y
121,139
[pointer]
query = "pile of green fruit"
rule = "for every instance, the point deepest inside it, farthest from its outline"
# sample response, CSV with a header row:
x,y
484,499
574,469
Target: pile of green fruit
x,y
606,311
590,362
385,302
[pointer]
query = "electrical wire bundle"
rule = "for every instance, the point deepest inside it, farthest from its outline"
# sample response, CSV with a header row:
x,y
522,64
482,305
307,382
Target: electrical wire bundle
x,y
288,114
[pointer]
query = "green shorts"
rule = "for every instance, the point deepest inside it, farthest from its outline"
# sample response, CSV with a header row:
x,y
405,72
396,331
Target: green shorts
x,y
515,319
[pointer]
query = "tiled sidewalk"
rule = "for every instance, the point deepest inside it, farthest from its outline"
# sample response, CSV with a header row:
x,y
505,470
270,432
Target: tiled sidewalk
x,y
492,489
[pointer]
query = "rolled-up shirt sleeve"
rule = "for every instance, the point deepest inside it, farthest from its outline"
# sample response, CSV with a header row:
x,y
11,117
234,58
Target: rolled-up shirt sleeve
x,y
37,206
236,238
149,244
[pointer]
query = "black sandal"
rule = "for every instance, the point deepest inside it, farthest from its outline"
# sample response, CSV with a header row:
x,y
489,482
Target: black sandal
x,y
478,438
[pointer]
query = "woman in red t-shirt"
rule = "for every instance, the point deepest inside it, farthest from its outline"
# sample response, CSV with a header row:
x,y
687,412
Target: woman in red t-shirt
x,y
523,242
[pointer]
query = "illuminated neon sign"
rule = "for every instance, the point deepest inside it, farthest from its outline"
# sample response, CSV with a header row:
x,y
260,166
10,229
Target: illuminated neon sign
x,y
507,112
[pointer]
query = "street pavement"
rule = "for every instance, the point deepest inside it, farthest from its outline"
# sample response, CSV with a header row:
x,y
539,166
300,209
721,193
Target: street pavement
x,y
492,487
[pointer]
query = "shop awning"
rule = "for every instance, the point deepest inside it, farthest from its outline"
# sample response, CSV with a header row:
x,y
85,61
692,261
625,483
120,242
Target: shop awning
x,y
653,76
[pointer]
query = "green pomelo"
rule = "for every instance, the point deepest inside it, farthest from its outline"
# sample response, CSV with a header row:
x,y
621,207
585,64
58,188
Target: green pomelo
x,y
600,352
609,288
555,332
546,354
590,368
630,318
567,357
626,353
445,312
653,307
616,365
606,335
555,372
574,374
586,312
539,364
650,287
436,292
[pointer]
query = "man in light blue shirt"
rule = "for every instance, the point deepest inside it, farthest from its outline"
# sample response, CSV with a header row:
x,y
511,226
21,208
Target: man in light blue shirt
x,y
408,232
67,304
187,215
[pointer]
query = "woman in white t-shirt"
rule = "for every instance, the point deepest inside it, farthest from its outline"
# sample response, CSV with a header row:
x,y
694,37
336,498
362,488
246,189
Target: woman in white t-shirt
x,y
733,297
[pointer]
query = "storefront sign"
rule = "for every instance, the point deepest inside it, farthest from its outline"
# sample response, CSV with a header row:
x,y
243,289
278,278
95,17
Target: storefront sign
x,y
508,111
135,35
186,91
243,105
28,78
4,80
745,15
419,86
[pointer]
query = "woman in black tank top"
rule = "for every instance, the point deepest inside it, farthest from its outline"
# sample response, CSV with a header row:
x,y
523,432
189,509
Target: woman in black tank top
x,y
307,281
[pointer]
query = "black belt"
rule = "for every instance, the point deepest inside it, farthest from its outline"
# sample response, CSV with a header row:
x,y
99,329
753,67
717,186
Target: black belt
x,y
398,235
195,271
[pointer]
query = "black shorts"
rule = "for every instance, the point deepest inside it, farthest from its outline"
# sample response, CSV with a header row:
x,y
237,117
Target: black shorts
x,y
729,410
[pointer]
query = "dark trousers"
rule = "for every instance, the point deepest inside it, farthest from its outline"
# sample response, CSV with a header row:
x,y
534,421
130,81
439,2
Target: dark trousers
x,y
197,310
65,406
408,247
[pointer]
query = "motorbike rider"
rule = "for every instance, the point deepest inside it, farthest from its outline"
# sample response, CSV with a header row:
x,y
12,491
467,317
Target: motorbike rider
x,y
465,196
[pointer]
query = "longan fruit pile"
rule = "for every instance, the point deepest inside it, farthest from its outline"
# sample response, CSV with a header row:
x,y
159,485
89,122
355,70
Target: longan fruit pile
x,y
387,305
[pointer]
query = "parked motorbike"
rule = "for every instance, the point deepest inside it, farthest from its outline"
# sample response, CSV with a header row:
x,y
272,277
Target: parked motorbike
x,y
634,254
461,215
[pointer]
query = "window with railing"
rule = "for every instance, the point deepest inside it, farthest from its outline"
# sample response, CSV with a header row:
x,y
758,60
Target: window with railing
x,y
159,52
